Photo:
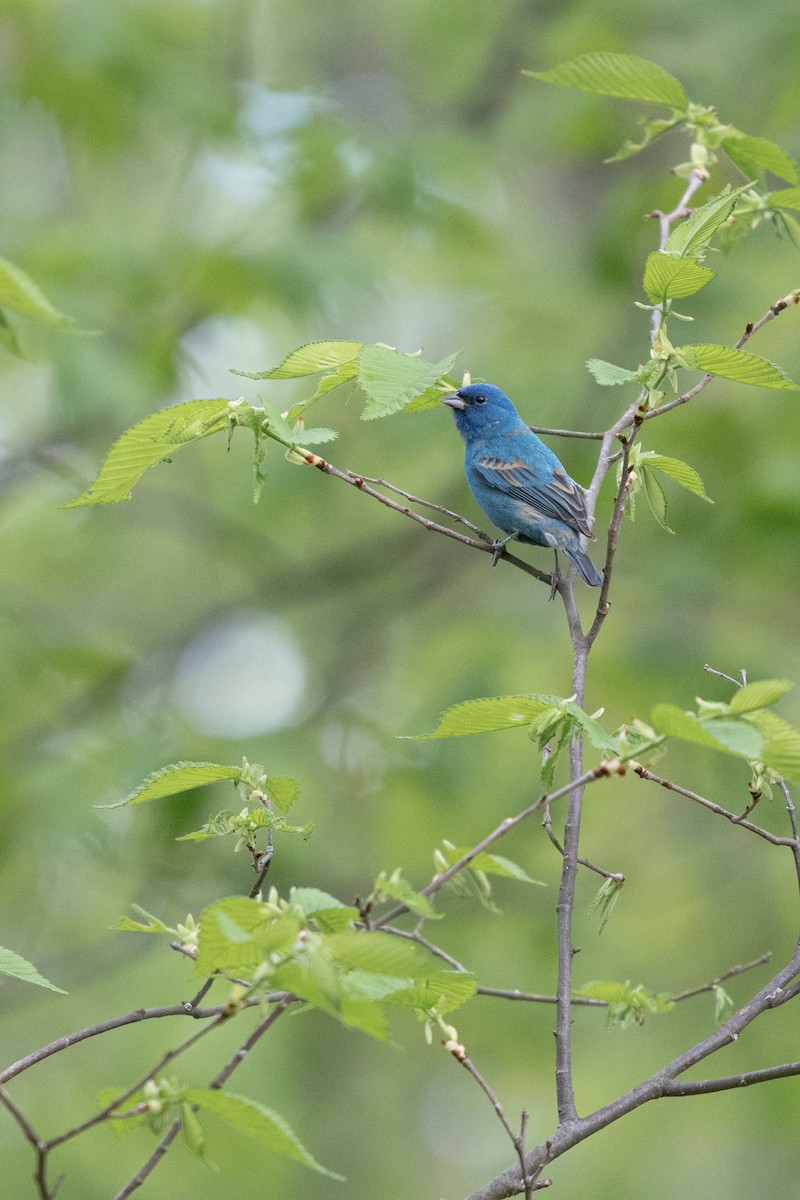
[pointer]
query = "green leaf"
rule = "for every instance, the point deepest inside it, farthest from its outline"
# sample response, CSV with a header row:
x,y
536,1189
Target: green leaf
x,y
19,293
738,365
754,155
236,933
177,778
738,737
491,864
695,232
761,694
723,1005
626,1004
652,129
486,715
593,730
8,336
679,472
282,791
609,374
732,736
391,379
260,1123
147,443
443,991
394,887
621,75
310,359
605,900
317,980
379,952
153,924
192,1131
315,436
655,498
781,750
432,397
19,968
312,902
668,278
786,198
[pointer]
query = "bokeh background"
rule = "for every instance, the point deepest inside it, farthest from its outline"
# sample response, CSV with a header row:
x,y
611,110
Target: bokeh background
x,y
207,185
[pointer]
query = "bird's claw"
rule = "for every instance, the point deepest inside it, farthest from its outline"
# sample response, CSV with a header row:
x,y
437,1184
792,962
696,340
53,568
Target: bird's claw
x,y
498,546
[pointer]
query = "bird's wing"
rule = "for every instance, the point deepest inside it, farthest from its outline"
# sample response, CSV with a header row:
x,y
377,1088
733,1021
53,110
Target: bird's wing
x,y
557,497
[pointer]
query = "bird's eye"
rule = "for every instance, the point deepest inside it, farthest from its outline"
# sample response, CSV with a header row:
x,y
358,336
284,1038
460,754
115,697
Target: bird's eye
x,y
480,399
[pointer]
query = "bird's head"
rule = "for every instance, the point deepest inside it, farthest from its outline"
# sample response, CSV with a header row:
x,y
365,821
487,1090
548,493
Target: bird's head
x,y
482,408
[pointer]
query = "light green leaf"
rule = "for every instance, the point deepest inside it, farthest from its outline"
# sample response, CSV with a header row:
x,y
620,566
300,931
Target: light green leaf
x,y
593,730
679,472
760,694
316,979
754,155
781,751
786,198
315,436
260,1123
312,902
282,790
236,933
622,75
390,379
442,990
486,715
19,968
738,365
491,864
152,925
733,736
147,443
8,336
19,293
177,778
394,887
379,952
655,498
652,129
310,359
693,234
723,1005
605,900
738,737
609,374
668,278
432,397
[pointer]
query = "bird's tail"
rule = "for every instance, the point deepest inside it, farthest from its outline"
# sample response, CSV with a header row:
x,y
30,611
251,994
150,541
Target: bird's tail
x,y
589,572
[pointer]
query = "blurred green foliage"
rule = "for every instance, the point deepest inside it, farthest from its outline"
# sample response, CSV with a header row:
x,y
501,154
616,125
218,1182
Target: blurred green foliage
x,y
209,185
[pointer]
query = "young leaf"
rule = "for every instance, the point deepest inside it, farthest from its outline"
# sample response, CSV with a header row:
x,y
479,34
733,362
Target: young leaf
x,y
391,379
786,198
486,715
153,924
258,1122
621,75
754,155
655,498
670,721
19,968
282,791
652,129
781,750
723,1005
147,443
442,990
605,900
490,864
177,778
668,278
738,365
679,472
312,902
394,887
609,374
236,933
379,952
19,293
761,694
310,359
693,234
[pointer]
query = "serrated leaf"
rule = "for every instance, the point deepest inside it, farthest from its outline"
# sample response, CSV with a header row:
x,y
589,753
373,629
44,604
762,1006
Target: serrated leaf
x,y
310,359
19,968
487,715
693,234
316,979
236,933
491,864
623,75
760,694
282,790
396,888
593,729
678,471
754,155
443,991
738,365
432,397
260,1123
147,443
390,379
668,278
312,901
609,374
734,737
19,293
177,778
605,900
655,498
781,749
785,198
379,952
738,737
315,436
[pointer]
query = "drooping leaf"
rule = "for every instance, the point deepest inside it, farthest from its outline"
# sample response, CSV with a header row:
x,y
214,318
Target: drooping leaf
x,y
693,234
19,968
651,130
390,379
282,790
623,75
491,864
151,925
149,442
177,778
19,293
604,901
668,278
655,498
738,365
309,359
754,155
486,715
394,887
260,1123
760,694
609,374
679,472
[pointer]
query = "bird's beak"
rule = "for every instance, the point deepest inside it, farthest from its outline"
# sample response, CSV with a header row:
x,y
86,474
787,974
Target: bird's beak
x,y
454,401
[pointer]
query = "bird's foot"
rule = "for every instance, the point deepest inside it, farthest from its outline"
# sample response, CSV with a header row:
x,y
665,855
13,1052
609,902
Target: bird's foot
x,y
498,546
555,580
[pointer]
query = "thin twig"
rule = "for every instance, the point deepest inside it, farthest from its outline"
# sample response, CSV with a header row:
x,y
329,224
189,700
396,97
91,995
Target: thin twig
x,y
547,825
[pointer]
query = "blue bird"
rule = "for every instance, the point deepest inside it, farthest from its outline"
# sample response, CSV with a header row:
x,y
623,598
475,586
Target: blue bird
x,y
517,480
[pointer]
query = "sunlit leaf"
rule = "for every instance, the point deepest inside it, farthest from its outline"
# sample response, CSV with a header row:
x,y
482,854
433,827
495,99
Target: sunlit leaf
x,y
692,235
785,198
442,990
679,472
738,365
309,359
177,778
390,379
668,278
19,968
754,155
760,694
609,374
486,715
622,75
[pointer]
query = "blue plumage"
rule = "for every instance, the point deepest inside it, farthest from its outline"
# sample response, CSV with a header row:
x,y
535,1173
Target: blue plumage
x,y
517,480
